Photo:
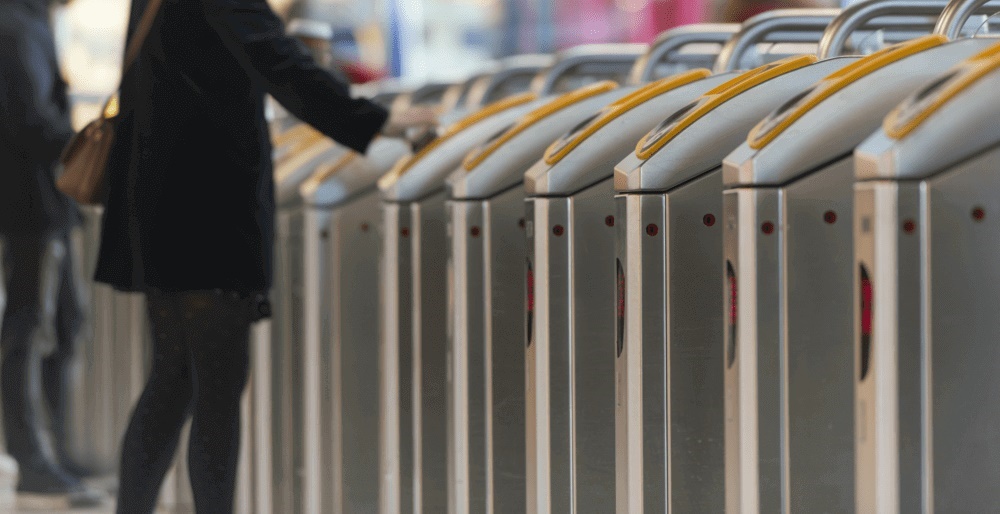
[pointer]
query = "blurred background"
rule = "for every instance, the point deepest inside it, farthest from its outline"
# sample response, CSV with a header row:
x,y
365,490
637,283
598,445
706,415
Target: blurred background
x,y
418,40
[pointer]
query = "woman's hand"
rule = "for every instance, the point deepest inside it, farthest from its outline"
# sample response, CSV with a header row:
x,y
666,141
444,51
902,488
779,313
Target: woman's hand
x,y
417,117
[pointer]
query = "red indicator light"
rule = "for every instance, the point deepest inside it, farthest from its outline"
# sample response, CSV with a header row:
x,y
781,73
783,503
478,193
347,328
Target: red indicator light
x,y
364,227
708,220
474,231
866,321
767,227
609,221
909,226
404,232
558,230
652,229
830,217
978,214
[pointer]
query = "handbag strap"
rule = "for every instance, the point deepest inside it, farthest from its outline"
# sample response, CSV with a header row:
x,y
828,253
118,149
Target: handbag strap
x,y
139,37
132,53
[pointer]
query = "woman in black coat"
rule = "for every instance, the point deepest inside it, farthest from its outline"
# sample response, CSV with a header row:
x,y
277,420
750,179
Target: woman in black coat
x,y
190,219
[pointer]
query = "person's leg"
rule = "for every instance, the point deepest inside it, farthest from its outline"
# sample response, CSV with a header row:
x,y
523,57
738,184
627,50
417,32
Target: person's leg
x,y
154,430
219,332
57,367
20,358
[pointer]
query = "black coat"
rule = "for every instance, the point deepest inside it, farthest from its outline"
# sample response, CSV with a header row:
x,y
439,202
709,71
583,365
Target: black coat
x,y
34,122
191,203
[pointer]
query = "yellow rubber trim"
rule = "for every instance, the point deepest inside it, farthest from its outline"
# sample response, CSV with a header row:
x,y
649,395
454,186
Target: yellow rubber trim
x,y
499,106
772,126
718,96
296,132
562,147
330,170
478,156
309,138
911,113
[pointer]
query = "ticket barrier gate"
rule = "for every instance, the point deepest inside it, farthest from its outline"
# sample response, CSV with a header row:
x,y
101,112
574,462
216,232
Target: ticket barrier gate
x,y
669,381
569,372
339,363
486,395
486,243
786,253
412,380
287,349
925,280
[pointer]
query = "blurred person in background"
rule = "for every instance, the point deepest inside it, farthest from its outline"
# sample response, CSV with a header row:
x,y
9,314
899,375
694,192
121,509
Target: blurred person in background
x,y
43,315
738,11
317,38
189,220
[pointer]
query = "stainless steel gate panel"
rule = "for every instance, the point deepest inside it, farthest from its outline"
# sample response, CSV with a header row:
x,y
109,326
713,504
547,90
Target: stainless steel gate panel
x,y
682,157
815,265
416,186
889,356
429,256
487,259
330,199
570,372
805,145
665,247
752,402
286,348
922,237
354,336
572,183
466,384
960,295
506,245
549,479
396,392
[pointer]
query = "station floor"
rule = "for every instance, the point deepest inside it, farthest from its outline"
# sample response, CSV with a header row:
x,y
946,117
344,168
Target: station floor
x,y
35,504
39,505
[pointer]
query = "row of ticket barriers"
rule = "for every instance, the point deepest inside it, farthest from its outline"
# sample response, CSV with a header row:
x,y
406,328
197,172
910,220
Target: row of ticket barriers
x,y
631,278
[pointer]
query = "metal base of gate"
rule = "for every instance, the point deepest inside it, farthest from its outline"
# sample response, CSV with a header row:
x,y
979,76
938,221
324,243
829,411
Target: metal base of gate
x,y
569,365
926,255
413,445
486,388
341,360
669,378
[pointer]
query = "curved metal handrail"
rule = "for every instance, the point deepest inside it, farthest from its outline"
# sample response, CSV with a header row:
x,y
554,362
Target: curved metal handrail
x,y
676,38
584,54
957,13
777,26
860,15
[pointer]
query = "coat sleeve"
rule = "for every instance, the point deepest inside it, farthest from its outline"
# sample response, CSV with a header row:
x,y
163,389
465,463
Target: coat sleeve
x,y
38,125
256,37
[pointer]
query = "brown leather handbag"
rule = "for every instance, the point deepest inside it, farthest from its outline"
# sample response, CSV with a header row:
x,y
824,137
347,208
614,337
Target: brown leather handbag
x,y
85,159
